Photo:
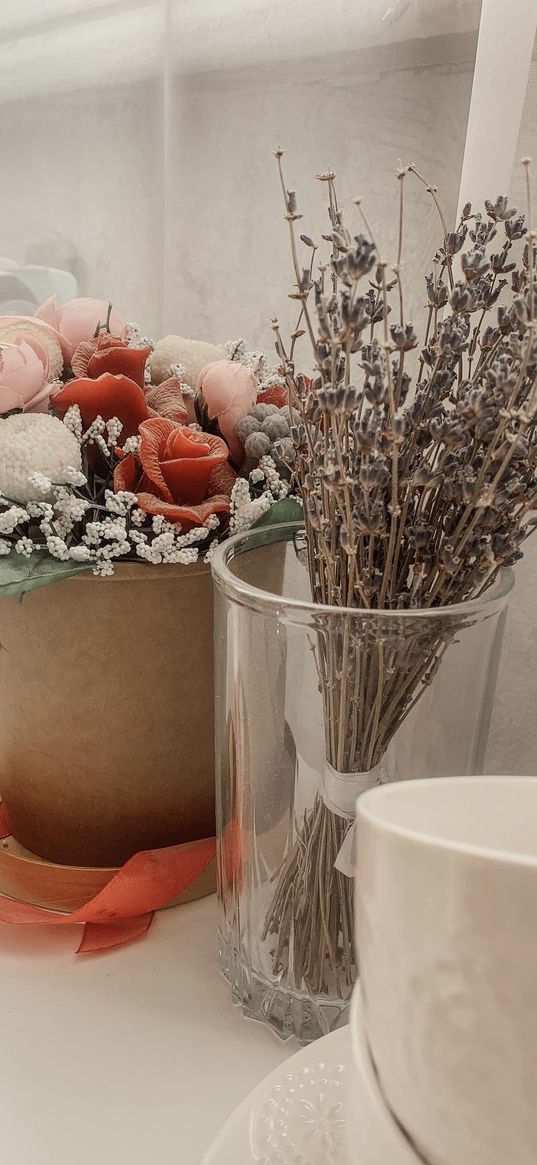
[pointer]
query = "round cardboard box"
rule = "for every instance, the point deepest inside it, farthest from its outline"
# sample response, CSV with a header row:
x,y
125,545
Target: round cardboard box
x,y
106,713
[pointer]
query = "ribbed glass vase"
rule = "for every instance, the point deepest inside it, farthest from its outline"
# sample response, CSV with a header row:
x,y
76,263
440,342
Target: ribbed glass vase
x,y
313,705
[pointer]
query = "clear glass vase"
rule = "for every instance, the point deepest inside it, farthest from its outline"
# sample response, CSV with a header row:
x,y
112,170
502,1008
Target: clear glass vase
x,y
313,705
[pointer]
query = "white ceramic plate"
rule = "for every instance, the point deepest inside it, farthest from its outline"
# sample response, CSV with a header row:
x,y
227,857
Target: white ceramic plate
x,y
296,1116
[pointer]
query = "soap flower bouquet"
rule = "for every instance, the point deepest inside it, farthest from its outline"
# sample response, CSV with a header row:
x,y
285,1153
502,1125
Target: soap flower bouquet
x,y
113,447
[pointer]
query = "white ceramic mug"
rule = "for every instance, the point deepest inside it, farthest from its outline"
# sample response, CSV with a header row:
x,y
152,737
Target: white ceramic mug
x,y
446,925
373,1137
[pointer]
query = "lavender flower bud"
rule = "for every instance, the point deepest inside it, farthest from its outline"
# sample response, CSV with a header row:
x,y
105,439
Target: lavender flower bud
x,y
283,451
312,513
344,398
373,359
331,475
461,298
366,437
299,437
291,202
437,293
499,265
422,538
482,232
474,264
399,427
455,240
424,476
339,241
506,319
427,355
453,335
362,257
375,391
521,309
489,338
403,336
499,210
305,283
448,560
518,280
373,475
515,228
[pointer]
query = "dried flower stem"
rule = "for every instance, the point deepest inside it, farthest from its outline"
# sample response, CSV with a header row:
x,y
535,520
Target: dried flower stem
x,y
416,493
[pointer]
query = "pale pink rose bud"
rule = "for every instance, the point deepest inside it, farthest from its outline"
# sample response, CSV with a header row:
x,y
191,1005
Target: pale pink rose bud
x,y
78,320
229,390
24,382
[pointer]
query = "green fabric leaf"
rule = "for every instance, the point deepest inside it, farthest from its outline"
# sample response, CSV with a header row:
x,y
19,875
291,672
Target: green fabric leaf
x,y
19,574
286,510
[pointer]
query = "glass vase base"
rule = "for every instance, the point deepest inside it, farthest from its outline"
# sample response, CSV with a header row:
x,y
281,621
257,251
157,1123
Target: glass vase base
x,y
289,1014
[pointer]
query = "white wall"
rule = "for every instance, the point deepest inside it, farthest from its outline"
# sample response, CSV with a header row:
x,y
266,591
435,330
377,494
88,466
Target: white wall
x,y
94,176
513,739
229,263
81,188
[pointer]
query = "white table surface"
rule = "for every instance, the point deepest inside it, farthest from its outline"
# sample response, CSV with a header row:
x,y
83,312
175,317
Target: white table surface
x,y
132,1057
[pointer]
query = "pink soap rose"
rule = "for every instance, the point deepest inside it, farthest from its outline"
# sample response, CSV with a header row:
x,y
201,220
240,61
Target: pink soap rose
x,y
13,328
24,379
229,390
78,320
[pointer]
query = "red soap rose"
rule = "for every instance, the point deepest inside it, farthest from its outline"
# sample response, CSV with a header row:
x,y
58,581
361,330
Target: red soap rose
x,y
277,395
108,396
179,473
108,353
110,382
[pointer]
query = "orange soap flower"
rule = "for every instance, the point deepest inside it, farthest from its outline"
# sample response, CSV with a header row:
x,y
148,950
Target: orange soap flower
x,y
179,473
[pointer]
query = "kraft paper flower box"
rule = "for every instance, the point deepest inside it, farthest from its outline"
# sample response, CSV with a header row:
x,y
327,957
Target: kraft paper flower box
x,y
122,465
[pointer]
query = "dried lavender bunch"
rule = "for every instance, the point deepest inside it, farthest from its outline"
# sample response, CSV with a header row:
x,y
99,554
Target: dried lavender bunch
x,y
416,459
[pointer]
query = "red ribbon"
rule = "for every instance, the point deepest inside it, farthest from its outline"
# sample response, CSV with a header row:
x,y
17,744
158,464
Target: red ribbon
x,y
123,910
